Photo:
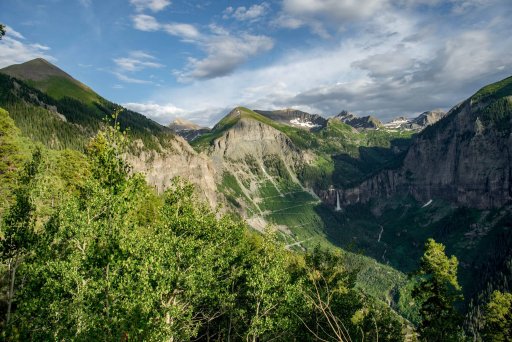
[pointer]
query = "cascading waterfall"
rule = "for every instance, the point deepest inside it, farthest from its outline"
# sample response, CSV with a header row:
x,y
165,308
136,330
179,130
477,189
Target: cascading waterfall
x,y
338,207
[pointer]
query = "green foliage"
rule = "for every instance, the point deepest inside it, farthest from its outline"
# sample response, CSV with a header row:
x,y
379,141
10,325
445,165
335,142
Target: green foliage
x,y
437,291
494,91
17,233
13,152
498,317
2,31
113,261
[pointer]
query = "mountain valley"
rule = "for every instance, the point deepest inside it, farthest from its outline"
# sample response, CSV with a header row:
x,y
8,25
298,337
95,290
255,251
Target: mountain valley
x,y
377,190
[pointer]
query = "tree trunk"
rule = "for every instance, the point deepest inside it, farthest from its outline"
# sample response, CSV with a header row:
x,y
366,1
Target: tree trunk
x,y
10,297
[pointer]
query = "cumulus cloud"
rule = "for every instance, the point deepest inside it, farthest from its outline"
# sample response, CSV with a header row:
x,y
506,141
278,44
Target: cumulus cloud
x,y
153,5
186,31
224,51
224,54
160,113
321,14
242,13
144,22
333,9
15,49
400,64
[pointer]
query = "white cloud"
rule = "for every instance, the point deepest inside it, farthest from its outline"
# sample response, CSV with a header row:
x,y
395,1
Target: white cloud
x,y
224,51
136,61
122,77
224,54
153,5
333,9
14,49
10,32
145,22
401,63
160,113
186,31
242,13
319,15
148,23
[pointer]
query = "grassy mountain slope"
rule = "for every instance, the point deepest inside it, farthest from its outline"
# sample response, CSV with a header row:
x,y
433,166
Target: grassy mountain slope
x,y
51,80
69,121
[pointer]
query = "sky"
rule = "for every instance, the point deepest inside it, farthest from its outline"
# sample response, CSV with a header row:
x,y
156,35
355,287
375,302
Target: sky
x,y
199,59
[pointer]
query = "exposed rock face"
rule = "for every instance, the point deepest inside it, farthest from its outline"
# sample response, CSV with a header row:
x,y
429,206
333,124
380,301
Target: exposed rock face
x,y
459,159
251,137
365,122
418,123
427,118
179,160
295,118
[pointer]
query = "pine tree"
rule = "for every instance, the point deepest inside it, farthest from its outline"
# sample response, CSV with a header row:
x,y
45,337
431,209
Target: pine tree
x,y
437,291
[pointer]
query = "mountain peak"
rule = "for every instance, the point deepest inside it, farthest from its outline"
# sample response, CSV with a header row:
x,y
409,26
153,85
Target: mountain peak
x,y
38,69
183,124
365,122
50,79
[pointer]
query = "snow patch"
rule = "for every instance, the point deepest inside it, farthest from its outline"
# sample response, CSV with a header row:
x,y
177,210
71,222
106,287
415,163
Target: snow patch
x,y
397,123
301,123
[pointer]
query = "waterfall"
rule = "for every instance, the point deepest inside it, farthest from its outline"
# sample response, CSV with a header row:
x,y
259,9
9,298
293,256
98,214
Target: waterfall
x,y
338,207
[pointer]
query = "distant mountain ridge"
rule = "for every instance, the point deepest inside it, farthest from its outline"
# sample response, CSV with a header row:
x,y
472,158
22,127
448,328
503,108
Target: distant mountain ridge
x,y
365,122
295,118
187,129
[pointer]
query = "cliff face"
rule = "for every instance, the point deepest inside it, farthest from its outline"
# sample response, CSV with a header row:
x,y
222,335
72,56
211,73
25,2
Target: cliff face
x,y
251,137
465,158
178,160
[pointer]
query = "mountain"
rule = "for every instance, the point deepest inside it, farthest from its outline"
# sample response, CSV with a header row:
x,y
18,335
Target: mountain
x,y
180,124
295,118
464,158
51,107
397,185
46,77
428,118
187,129
365,122
418,123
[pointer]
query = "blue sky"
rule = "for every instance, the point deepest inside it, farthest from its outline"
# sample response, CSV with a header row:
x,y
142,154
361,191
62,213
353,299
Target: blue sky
x,y
199,59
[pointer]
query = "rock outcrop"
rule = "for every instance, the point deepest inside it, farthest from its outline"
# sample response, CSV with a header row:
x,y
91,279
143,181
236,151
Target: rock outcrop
x,y
251,137
364,122
180,160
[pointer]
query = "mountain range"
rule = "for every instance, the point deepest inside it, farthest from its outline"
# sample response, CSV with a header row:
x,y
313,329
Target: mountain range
x,y
352,182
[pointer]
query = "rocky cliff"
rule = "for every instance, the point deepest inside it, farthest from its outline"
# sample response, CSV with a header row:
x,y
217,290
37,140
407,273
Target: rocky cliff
x,y
177,160
465,158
